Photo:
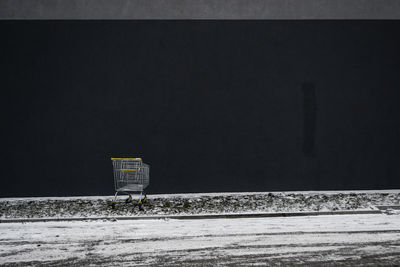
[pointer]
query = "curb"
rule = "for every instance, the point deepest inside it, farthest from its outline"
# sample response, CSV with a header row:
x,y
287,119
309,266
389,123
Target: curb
x,y
196,217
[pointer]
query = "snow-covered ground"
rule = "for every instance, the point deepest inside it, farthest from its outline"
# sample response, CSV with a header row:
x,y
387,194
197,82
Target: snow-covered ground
x,y
369,239
201,203
356,240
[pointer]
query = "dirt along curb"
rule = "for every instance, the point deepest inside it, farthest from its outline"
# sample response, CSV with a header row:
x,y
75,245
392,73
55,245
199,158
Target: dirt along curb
x,y
196,217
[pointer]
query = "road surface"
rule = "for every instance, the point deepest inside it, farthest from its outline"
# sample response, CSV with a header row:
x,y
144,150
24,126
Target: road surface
x,y
372,239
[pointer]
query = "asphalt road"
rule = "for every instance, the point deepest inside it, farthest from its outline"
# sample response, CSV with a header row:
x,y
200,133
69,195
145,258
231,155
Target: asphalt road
x,y
356,240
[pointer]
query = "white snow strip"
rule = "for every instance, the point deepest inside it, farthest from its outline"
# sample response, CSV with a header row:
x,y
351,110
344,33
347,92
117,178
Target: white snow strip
x,y
145,241
212,194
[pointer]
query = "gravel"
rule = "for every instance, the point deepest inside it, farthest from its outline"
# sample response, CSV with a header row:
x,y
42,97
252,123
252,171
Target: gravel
x,y
181,204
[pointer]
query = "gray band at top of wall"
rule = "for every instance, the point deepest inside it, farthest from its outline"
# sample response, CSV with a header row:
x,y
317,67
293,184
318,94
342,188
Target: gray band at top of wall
x,y
199,9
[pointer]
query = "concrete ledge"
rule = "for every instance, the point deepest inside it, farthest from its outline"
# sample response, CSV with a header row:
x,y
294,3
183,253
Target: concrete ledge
x,y
200,9
389,207
196,217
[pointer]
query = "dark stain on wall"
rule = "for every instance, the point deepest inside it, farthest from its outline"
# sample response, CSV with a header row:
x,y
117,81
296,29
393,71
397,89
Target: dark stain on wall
x,y
309,113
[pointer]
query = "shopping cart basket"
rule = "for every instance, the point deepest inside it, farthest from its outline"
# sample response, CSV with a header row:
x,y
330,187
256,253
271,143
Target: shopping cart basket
x,y
131,175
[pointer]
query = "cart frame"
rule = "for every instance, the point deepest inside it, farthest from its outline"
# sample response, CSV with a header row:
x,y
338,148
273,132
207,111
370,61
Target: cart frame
x,y
131,175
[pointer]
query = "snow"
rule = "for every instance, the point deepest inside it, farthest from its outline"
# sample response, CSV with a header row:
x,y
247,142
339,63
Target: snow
x,y
198,203
278,240
369,239
212,194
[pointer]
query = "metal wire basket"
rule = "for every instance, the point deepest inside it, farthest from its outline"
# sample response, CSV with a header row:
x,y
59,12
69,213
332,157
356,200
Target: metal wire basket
x,y
130,175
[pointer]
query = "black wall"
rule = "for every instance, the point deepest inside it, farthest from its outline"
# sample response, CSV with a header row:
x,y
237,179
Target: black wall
x,y
210,105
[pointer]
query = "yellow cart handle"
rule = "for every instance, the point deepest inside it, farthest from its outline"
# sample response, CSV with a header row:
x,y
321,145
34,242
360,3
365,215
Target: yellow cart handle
x,y
139,159
128,170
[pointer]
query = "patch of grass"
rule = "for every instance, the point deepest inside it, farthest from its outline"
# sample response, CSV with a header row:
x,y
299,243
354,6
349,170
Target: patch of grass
x,y
186,204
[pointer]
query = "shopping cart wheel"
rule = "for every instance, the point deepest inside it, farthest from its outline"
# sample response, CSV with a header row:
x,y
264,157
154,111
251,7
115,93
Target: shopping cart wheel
x,y
129,199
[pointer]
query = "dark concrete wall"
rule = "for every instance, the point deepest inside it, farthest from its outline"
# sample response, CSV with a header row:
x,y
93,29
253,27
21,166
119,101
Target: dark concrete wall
x,y
210,105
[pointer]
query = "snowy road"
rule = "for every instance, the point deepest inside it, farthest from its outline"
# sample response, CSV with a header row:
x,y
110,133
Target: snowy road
x,y
332,240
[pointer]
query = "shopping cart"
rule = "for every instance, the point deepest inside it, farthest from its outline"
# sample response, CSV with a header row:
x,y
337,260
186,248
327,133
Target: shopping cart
x,y
131,176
